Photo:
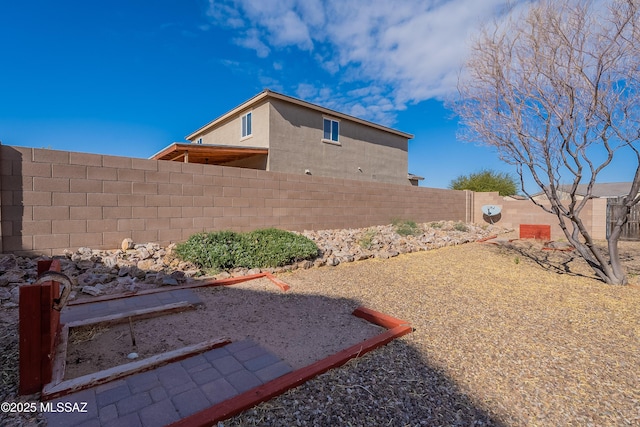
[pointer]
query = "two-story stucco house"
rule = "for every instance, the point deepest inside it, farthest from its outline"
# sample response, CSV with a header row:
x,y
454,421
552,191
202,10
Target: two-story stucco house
x,y
279,133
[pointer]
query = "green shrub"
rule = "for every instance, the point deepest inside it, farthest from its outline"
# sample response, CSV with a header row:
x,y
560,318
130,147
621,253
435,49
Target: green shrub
x,y
460,226
216,251
406,228
274,248
436,225
222,250
487,180
366,241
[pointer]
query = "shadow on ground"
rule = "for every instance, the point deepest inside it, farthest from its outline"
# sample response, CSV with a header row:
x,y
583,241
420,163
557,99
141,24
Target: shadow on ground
x,y
393,385
570,262
560,262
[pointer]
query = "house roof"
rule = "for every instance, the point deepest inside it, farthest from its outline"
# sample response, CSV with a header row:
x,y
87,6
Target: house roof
x,y
267,93
600,190
206,153
605,189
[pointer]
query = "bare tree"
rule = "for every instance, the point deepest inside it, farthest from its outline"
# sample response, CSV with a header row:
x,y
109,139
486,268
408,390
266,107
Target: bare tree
x,y
556,89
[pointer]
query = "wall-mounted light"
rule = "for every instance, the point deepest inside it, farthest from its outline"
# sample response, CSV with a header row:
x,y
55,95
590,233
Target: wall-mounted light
x,y
307,172
359,168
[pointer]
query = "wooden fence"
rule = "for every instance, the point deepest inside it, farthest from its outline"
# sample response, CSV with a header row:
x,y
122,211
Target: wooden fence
x,y
631,230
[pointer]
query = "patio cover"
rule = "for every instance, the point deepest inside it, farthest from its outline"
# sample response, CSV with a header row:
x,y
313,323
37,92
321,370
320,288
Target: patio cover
x,y
206,153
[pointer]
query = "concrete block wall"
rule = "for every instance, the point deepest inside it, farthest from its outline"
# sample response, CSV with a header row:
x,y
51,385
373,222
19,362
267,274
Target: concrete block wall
x,y
516,212
598,222
55,200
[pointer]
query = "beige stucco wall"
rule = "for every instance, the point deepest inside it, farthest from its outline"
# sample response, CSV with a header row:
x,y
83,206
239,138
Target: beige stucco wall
x,y
230,132
296,145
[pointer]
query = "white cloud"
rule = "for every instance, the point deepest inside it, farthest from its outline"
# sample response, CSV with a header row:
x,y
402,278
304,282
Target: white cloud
x,y
224,14
306,91
396,52
290,29
251,40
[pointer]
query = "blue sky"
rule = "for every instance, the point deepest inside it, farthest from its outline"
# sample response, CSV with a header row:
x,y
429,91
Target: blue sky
x,y
129,77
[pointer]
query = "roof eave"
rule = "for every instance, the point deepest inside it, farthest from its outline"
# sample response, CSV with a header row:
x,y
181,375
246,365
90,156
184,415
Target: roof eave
x,y
269,93
228,114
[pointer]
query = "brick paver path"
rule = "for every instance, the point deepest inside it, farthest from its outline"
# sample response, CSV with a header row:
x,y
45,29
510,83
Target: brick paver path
x,y
164,395
73,313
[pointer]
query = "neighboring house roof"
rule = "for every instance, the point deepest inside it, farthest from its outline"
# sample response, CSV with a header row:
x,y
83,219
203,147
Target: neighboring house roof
x,y
605,189
600,190
206,153
415,177
515,197
275,95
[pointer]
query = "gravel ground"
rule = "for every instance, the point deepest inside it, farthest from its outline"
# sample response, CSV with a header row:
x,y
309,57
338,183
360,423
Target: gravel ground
x,y
501,338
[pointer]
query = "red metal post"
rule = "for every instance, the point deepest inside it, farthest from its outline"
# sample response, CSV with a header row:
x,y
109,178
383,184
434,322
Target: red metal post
x,y
39,326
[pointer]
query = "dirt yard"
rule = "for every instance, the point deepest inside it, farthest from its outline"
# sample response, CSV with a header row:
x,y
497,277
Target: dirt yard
x,y
300,329
504,335
501,338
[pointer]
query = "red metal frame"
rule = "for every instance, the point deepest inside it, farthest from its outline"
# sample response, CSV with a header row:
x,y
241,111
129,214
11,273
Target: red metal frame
x,y
535,231
39,327
248,399
220,282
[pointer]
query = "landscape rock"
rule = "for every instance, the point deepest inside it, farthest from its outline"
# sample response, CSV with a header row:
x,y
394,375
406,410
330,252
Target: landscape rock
x,y
144,253
333,261
362,256
146,264
163,279
347,258
126,244
134,267
305,264
110,261
125,281
11,277
169,281
92,290
7,263
179,276
383,241
91,279
15,295
189,271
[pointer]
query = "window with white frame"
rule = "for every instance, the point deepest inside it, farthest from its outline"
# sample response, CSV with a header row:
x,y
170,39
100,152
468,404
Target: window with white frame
x,y
331,130
246,125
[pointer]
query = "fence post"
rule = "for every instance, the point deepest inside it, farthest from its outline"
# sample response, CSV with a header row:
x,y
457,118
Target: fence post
x,y
469,203
39,325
